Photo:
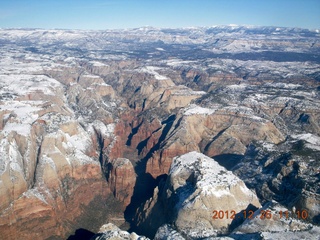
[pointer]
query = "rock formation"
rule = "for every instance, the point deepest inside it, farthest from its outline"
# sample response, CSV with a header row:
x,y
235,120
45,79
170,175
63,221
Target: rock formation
x,y
197,187
214,132
273,220
112,232
89,129
122,179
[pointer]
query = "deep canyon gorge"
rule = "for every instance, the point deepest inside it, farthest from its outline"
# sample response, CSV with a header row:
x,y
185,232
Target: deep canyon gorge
x,y
152,130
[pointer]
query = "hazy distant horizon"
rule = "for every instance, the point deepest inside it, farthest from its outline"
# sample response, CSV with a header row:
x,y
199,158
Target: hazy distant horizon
x,y
128,14
152,27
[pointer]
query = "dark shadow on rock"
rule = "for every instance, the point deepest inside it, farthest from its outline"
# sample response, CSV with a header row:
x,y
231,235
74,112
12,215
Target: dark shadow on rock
x,y
304,118
81,234
316,219
143,191
145,183
142,144
228,160
165,209
241,216
157,215
134,131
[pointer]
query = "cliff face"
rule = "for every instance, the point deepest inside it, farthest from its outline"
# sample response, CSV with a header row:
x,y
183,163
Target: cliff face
x,y
224,130
122,179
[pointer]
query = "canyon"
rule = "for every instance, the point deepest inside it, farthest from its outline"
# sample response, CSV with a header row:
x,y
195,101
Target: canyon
x,y
151,130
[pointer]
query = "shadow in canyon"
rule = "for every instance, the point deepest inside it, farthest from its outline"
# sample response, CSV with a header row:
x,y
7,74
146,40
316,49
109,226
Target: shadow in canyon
x,y
145,183
228,160
81,234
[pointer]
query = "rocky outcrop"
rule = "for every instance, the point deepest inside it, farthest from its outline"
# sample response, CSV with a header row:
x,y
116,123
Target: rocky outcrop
x,y
112,232
285,177
122,179
64,183
97,84
51,176
195,189
167,232
53,215
274,221
223,130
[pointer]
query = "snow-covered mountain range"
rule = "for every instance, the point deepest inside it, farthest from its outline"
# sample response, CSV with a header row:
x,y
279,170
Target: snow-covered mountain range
x,y
155,130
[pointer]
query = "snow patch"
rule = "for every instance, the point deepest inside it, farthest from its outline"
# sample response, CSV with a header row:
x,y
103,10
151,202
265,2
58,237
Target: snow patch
x,y
22,84
34,192
178,62
195,109
23,113
104,130
98,64
211,177
283,85
308,137
152,70
237,87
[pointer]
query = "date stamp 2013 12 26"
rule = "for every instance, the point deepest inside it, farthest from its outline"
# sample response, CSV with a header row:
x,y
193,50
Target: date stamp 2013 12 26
x,y
263,214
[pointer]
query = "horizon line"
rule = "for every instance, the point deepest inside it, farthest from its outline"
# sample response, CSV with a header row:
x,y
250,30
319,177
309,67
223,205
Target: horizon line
x,y
152,27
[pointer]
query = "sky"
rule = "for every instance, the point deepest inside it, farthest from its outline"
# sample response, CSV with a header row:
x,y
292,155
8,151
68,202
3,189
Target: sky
x,y
119,14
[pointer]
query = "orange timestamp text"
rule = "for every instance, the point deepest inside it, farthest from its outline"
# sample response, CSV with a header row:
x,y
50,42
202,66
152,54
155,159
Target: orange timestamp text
x,y
263,214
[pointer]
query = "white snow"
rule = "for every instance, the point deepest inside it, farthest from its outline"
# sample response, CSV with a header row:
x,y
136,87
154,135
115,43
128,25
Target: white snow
x,y
45,159
211,177
200,183
104,130
283,85
178,62
311,146
80,141
268,146
35,192
102,84
308,137
15,157
24,114
90,76
22,128
153,71
220,192
195,109
22,84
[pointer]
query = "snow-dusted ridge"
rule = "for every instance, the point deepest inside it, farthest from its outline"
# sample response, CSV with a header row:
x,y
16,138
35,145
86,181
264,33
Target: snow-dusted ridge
x,y
202,186
211,177
191,35
153,71
193,109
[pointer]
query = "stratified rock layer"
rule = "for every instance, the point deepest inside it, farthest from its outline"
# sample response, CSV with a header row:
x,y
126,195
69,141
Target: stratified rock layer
x,y
224,130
